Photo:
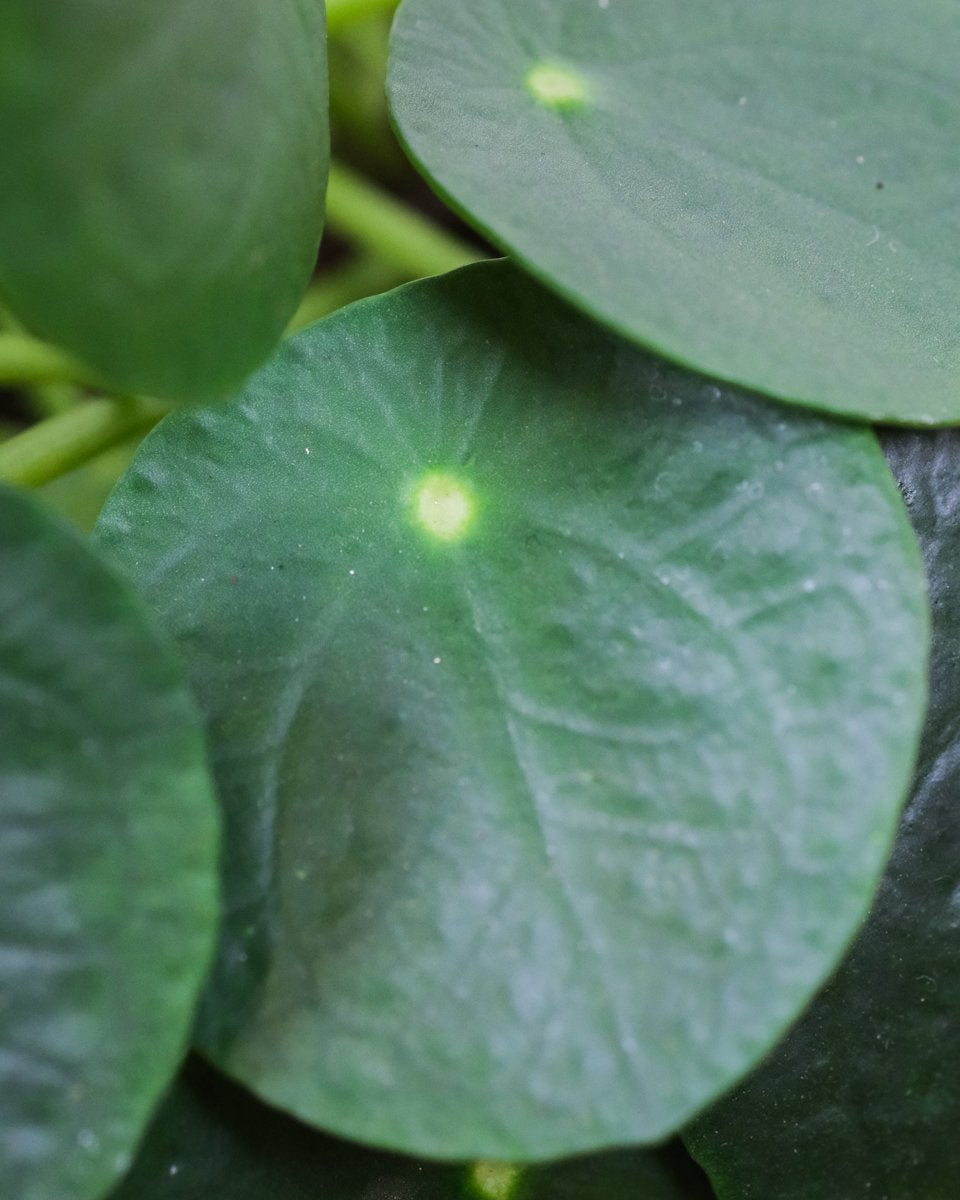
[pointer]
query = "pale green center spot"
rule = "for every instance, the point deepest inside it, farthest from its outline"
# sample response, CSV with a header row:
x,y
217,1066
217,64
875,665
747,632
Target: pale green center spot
x,y
493,1180
556,86
443,506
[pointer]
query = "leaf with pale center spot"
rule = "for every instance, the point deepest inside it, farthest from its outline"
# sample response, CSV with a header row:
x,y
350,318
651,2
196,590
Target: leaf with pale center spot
x,y
557,756
762,191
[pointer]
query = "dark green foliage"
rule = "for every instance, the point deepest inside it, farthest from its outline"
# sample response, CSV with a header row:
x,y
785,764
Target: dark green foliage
x,y
211,1140
561,699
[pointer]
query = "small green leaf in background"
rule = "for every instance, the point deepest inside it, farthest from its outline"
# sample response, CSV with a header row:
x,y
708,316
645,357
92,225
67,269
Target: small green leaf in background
x,y
762,191
862,1099
162,179
211,1140
557,754
108,857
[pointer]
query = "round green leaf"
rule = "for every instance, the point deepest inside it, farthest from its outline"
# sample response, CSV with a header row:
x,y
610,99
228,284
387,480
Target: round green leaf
x,y
163,174
762,191
108,855
557,756
863,1098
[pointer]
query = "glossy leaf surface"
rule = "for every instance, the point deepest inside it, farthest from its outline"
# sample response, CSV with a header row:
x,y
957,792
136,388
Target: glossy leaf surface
x,y
863,1097
163,172
557,757
764,192
108,857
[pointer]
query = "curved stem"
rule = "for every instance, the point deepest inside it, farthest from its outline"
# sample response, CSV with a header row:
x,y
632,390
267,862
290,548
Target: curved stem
x,y
493,1180
364,276
24,360
397,234
358,102
60,443
341,13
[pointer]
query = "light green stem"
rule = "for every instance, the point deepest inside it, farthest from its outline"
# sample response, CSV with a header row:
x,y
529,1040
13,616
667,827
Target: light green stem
x,y
60,443
24,360
341,13
493,1180
358,104
48,399
342,285
384,226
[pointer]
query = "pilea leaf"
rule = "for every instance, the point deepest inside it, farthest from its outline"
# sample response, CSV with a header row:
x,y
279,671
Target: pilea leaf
x,y
862,1098
211,1140
557,756
108,863
765,192
162,181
